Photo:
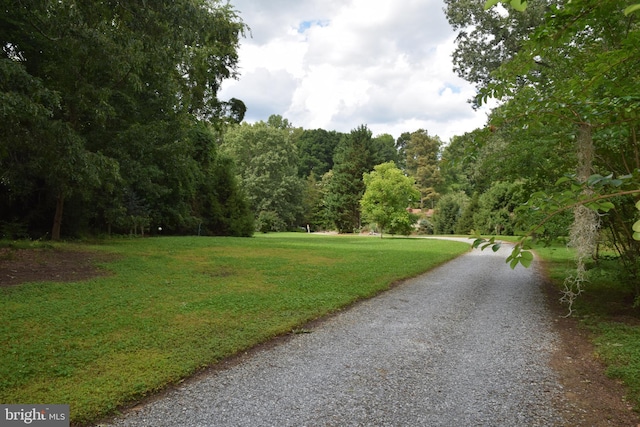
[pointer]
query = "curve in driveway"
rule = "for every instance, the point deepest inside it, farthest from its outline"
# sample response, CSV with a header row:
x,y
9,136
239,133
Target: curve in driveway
x,y
466,344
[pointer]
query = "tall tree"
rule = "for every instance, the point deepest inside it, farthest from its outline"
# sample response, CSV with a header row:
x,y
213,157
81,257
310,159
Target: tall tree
x,y
312,204
384,149
219,204
422,159
578,68
267,160
497,205
488,38
354,157
448,212
316,149
459,159
401,146
115,69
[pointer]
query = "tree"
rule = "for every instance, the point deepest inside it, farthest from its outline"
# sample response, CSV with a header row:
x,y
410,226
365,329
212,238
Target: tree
x,y
388,194
448,212
466,224
267,161
401,144
354,157
384,149
489,38
422,160
316,149
312,203
578,68
496,211
116,71
459,160
279,122
219,203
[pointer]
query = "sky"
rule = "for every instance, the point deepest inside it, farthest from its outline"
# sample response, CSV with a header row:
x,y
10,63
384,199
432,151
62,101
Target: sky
x,y
339,64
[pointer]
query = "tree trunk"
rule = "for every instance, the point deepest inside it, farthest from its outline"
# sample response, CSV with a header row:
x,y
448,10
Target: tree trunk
x,y
57,219
585,151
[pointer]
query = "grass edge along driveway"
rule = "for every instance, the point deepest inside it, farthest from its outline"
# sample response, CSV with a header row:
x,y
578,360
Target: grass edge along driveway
x,y
173,305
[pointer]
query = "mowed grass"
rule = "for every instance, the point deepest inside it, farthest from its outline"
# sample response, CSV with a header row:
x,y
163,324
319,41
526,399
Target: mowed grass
x,y
606,309
174,305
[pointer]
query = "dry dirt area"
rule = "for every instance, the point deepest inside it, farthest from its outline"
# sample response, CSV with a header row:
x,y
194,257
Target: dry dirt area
x,y
597,399
47,265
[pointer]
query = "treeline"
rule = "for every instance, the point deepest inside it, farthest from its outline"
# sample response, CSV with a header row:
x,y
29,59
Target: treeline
x,y
489,182
111,124
109,118
313,178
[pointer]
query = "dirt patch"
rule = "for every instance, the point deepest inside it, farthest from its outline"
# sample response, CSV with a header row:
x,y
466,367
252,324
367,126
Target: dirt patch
x,y
48,265
596,399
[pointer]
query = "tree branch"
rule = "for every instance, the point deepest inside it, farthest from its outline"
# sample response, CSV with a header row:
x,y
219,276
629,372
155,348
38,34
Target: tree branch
x,y
580,203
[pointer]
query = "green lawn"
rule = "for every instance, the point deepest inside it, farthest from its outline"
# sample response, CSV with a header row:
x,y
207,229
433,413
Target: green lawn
x,y
606,309
173,305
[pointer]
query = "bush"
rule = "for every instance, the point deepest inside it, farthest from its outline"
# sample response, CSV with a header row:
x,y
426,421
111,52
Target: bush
x,y
425,226
402,224
13,230
270,221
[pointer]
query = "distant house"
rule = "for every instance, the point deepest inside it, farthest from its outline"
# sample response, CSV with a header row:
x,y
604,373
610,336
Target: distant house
x,y
426,213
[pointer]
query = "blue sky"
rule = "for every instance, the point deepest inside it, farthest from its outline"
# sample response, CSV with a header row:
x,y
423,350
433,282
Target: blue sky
x,y
338,64
306,25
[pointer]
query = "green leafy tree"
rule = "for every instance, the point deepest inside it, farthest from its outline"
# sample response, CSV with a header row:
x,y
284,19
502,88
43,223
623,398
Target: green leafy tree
x,y
316,149
313,214
384,148
388,194
219,204
489,38
519,148
466,224
459,161
495,213
117,71
578,68
267,161
401,146
279,122
268,221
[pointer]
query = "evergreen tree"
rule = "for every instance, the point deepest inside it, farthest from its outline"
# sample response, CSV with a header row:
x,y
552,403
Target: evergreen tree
x,y
448,211
465,224
422,160
354,157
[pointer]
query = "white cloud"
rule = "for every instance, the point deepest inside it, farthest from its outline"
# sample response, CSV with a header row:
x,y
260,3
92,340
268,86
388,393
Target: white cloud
x,y
340,64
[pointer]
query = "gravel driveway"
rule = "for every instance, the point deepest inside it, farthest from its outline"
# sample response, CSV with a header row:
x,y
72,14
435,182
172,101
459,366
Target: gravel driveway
x,y
467,344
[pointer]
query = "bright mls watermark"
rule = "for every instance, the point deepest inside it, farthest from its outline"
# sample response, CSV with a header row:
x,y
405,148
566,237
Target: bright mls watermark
x,y
34,415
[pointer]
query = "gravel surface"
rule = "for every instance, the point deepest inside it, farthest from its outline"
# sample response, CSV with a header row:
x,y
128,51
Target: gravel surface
x,y
467,344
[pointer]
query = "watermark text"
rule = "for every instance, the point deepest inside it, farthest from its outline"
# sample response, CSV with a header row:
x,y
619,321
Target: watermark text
x,y
34,415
